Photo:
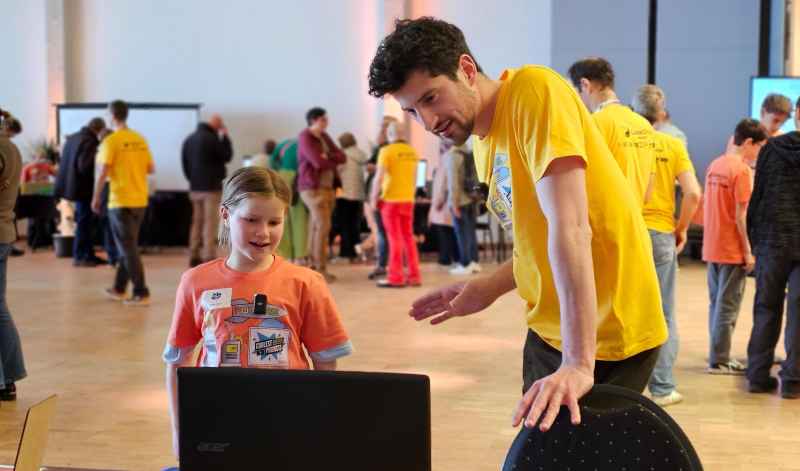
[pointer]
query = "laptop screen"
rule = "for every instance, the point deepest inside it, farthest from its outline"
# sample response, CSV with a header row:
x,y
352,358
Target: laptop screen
x,y
245,418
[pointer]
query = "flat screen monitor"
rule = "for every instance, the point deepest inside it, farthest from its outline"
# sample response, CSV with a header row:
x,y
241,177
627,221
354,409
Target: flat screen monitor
x,y
422,173
760,87
248,418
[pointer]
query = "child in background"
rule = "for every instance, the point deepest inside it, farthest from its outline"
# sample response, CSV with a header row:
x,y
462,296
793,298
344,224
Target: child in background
x,y
37,176
253,309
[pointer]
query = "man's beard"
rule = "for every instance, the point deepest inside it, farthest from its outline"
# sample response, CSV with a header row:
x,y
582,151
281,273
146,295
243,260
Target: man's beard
x,y
462,133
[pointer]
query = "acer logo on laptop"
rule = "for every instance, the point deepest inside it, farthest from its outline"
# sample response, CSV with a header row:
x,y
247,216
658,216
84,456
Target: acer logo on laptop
x,y
211,447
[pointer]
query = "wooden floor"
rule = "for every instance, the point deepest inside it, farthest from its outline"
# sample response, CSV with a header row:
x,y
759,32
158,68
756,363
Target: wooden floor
x,y
103,359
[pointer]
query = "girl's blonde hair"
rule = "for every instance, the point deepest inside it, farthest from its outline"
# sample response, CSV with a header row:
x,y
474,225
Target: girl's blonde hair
x,y
247,182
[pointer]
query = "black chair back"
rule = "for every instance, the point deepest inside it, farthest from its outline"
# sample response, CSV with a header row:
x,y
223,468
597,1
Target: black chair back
x,y
620,430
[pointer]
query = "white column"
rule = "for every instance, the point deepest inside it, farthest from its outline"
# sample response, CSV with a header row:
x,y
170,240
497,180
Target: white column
x,y
56,82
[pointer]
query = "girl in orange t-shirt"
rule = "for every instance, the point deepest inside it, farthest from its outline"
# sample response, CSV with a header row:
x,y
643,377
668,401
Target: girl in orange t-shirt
x,y
253,308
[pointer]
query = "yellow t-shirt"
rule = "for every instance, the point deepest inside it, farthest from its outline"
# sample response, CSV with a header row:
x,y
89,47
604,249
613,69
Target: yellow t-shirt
x,y
630,139
128,158
399,162
539,118
672,159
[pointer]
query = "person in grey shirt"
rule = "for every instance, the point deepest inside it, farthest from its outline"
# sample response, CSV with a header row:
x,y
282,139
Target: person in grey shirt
x,y
653,104
12,363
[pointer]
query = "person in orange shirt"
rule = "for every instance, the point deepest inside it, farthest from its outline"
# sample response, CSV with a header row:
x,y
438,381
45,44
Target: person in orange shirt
x,y
394,188
726,249
253,309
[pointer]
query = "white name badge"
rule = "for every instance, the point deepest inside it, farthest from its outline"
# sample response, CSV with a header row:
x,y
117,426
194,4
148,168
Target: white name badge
x,y
216,299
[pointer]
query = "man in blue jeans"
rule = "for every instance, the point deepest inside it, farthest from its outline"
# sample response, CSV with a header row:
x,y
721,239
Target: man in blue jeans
x,y
124,159
773,225
668,237
75,182
462,207
12,363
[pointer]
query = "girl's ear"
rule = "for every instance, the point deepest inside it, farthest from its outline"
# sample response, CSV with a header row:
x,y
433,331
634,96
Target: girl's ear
x,y
224,215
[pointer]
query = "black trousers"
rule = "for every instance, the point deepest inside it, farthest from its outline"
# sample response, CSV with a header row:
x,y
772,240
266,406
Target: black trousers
x,y
447,244
349,217
540,360
773,273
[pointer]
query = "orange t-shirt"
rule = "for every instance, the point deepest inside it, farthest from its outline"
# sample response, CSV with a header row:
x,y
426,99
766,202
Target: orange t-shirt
x,y
728,181
215,305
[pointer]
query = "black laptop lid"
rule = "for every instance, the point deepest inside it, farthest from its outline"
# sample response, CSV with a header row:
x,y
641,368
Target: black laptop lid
x,y
245,418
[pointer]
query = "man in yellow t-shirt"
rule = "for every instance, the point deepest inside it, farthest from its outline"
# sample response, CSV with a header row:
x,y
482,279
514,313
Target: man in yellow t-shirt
x,y
668,238
582,257
393,192
124,160
628,135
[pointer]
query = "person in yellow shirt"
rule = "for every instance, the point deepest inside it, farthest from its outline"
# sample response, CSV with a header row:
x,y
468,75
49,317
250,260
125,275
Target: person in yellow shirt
x,y
393,192
124,160
667,236
628,135
582,257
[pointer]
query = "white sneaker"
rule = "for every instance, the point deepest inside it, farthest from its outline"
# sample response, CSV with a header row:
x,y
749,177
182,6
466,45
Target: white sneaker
x,y
474,267
673,397
460,271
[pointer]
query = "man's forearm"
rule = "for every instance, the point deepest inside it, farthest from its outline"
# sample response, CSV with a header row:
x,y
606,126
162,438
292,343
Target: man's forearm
x,y
570,255
100,183
501,281
689,204
741,229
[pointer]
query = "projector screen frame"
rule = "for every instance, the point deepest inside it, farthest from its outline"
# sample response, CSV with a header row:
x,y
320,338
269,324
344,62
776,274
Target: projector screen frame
x,y
101,108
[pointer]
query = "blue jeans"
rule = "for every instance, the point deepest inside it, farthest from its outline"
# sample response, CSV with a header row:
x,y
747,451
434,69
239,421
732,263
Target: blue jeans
x,y
125,224
725,291
83,248
466,236
12,364
383,241
662,381
774,273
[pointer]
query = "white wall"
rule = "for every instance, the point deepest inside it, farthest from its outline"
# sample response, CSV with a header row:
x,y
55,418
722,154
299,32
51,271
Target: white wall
x,y
501,34
261,64
615,30
23,75
705,68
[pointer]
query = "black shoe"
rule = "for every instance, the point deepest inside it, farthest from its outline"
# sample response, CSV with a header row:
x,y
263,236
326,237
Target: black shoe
x,y
790,390
84,263
98,260
377,273
9,393
15,252
771,384
193,262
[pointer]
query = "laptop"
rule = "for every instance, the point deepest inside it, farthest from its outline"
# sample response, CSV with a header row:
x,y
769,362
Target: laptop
x,y
33,442
246,418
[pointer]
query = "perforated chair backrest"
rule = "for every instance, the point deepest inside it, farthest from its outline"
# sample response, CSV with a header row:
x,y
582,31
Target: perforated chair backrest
x,y
620,430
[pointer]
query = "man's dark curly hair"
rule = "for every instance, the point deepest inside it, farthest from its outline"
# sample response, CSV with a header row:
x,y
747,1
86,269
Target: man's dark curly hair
x,y
594,69
424,44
